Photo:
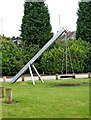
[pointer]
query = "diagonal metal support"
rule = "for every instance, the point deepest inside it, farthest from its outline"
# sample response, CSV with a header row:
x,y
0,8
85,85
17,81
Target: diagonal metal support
x,y
38,74
31,74
15,78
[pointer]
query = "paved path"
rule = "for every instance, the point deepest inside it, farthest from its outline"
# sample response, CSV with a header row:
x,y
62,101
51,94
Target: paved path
x,y
51,77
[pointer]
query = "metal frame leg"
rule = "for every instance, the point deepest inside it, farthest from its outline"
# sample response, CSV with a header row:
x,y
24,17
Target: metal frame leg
x,y
31,74
38,74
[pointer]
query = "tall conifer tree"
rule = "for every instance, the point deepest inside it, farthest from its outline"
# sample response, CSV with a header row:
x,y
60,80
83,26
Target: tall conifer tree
x,y
36,27
84,21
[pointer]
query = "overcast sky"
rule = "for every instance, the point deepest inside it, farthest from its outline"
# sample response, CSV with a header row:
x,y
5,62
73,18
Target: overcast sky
x,y
11,12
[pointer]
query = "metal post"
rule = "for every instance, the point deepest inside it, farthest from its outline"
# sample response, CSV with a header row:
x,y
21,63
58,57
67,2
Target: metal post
x,y
70,60
38,74
2,26
66,58
59,22
62,71
31,74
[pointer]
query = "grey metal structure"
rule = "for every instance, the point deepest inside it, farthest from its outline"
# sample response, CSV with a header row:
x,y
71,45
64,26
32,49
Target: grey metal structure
x,y
15,78
68,54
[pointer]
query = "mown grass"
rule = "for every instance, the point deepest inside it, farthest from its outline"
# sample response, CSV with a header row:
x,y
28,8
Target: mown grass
x,y
48,100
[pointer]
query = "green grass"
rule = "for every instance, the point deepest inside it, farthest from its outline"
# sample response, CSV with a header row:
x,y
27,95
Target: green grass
x,y
48,100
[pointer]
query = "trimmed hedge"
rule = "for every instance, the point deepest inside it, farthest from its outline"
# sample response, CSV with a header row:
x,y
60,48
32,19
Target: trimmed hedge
x,y
14,57
54,59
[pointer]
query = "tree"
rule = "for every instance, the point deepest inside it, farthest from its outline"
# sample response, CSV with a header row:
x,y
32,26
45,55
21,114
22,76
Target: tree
x,y
36,28
84,21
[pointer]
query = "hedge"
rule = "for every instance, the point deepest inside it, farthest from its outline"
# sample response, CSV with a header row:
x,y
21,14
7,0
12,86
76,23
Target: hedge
x,y
53,61
14,57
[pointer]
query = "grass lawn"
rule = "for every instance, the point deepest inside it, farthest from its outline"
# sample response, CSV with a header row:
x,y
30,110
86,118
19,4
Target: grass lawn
x,y
53,99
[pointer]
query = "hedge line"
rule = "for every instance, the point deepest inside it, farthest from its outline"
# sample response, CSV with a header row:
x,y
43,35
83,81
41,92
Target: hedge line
x,y
52,61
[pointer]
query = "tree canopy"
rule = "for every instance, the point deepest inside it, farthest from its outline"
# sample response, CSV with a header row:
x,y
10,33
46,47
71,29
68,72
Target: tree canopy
x,y
84,21
36,27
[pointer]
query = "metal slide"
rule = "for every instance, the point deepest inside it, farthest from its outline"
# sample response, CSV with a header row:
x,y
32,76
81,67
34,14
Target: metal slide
x,y
15,78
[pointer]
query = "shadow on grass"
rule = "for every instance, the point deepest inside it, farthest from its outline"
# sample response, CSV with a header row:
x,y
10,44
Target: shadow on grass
x,y
67,84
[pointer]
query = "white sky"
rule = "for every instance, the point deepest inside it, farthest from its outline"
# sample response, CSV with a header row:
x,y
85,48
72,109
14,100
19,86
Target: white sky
x,y
11,12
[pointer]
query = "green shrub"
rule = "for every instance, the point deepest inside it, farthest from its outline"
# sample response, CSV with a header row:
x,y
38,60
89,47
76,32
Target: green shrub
x,y
14,57
54,59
